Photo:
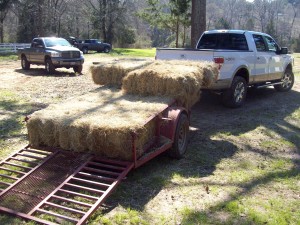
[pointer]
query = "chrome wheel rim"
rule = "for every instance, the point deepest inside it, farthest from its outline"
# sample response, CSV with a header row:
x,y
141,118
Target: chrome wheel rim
x,y
182,138
47,67
239,92
23,63
286,80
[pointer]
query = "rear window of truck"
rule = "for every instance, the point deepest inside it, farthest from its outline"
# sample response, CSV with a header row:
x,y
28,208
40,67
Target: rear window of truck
x,y
226,41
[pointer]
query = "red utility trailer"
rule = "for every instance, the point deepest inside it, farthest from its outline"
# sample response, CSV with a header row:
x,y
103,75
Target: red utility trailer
x,y
54,186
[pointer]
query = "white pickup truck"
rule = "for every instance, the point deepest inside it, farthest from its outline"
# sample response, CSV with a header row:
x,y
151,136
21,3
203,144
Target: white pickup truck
x,y
245,58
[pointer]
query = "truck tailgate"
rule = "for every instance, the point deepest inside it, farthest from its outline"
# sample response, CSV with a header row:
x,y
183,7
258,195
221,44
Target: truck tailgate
x,y
183,54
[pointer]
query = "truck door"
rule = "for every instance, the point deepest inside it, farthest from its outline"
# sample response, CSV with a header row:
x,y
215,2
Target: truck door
x,y
276,61
38,49
261,71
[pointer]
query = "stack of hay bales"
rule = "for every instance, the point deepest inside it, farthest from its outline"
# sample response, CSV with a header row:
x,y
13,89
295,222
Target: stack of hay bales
x,y
112,73
103,121
100,122
181,80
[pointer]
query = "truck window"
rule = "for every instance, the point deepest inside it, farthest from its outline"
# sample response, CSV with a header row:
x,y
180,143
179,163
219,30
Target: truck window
x,y
226,41
272,45
259,43
37,43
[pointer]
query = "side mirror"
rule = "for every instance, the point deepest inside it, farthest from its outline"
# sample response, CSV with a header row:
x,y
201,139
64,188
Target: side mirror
x,y
283,51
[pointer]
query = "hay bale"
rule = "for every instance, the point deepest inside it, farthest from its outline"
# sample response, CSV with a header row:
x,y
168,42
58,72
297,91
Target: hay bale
x,y
181,80
112,73
100,122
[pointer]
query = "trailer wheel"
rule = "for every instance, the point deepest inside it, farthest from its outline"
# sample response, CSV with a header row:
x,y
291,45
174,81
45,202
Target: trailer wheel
x,y
181,137
24,63
287,82
77,69
49,66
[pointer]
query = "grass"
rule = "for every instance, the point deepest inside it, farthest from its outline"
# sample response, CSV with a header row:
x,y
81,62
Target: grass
x,y
134,52
234,172
8,56
125,52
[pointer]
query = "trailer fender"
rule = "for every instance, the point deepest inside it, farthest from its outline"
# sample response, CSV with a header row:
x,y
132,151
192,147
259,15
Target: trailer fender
x,y
170,120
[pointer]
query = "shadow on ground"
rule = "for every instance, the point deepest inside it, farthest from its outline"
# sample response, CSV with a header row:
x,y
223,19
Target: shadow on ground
x,y
264,107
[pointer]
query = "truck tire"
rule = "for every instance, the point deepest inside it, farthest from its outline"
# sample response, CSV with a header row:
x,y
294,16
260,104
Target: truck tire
x,y
235,96
287,82
24,63
77,69
181,137
85,50
106,50
49,66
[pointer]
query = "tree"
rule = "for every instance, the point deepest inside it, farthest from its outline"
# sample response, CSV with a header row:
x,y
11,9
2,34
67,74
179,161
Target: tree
x,y
198,20
105,15
4,7
171,16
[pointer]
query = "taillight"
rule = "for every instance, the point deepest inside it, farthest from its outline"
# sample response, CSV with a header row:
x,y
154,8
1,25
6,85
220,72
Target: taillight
x,y
219,61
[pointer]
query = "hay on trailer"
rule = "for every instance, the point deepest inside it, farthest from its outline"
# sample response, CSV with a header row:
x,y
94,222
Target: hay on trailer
x,y
112,73
100,122
181,80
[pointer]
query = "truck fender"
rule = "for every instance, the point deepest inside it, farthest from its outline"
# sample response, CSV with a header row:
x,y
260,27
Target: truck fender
x,y
288,67
170,120
241,71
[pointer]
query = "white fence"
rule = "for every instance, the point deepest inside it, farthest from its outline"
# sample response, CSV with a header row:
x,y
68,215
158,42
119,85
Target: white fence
x,y
12,47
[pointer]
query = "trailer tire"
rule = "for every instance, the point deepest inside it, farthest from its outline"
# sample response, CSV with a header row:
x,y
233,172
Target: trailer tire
x,y
181,137
24,63
235,96
49,67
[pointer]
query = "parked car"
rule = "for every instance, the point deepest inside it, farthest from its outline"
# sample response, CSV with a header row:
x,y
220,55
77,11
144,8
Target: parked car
x,y
93,45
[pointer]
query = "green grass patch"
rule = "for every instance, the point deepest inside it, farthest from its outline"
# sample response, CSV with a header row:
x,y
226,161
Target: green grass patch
x,y
134,52
8,56
190,216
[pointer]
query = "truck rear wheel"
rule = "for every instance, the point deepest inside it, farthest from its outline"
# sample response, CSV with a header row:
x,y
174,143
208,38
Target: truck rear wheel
x,y
106,50
49,66
236,95
77,69
181,137
287,82
85,50
24,63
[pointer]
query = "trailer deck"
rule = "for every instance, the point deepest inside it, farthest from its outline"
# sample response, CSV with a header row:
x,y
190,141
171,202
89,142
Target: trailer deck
x,y
53,186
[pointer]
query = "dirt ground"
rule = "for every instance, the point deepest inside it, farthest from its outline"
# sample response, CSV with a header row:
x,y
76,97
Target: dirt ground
x,y
212,127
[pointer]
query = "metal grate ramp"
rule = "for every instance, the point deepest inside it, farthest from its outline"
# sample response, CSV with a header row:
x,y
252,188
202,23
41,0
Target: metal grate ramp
x,y
65,188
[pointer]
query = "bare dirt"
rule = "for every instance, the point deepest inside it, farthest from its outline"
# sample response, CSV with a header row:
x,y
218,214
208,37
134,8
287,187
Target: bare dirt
x,y
220,139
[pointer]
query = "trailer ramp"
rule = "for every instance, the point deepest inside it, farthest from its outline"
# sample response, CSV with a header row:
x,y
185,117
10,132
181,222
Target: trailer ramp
x,y
55,186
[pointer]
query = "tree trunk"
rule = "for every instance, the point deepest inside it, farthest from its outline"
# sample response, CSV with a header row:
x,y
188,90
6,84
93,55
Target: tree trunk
x,y
1,31
198,20
177,31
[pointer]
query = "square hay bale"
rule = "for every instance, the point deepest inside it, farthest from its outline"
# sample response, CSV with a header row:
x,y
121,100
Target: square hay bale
x,y
100,122
181,80
112,73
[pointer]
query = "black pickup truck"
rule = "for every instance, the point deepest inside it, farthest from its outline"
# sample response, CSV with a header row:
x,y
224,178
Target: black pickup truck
x,y
53,53
93,45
